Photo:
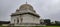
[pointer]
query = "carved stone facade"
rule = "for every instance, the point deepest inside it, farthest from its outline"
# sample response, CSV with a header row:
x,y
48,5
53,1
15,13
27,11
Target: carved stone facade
x,y
25,15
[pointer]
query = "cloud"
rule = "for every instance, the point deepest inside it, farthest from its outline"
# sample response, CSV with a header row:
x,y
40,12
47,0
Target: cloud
x,y
45,8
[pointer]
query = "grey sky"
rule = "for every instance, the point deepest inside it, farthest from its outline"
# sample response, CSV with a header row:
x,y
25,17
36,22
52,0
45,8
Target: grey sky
x,y
49,9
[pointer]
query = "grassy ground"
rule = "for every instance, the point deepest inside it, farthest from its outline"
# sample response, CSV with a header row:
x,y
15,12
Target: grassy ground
x,y
30,26
51,26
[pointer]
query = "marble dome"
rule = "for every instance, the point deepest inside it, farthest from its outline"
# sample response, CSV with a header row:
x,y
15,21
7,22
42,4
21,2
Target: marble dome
x,y
26,6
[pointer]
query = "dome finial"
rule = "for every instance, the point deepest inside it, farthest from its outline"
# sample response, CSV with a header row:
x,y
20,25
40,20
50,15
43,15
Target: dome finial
x,y
26,1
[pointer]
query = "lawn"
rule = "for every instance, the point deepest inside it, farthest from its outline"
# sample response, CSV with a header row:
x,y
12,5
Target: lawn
x,y
31,26
51,26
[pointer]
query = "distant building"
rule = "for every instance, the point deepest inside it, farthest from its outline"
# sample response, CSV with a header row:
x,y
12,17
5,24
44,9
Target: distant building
x,y
41,21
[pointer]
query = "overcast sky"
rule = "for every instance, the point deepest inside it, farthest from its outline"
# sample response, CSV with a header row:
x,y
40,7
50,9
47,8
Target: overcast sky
x,y
47,9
